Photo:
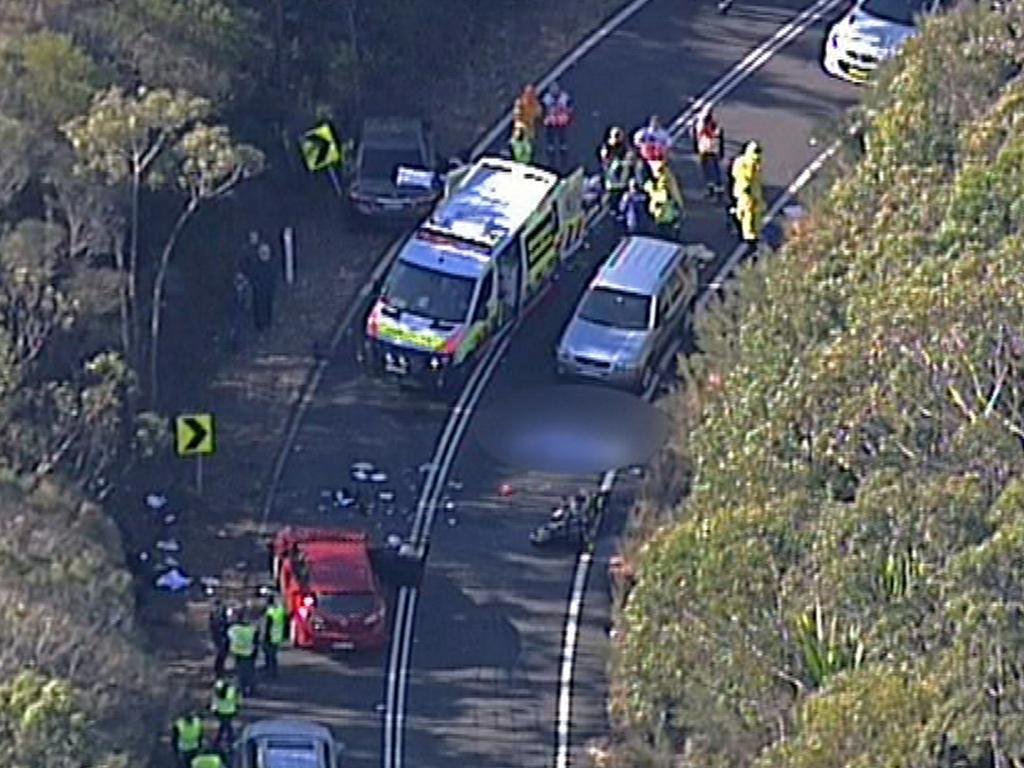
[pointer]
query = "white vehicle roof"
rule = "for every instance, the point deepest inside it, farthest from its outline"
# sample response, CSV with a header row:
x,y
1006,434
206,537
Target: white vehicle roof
x,y
491,203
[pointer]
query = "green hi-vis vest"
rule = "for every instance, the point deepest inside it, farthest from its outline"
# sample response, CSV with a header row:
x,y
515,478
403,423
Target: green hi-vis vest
x,y
207,760
616,178
189,733
277,619
242,640
226,705
522,150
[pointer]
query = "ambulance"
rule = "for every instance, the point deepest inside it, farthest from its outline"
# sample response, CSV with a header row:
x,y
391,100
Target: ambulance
x,y
491,244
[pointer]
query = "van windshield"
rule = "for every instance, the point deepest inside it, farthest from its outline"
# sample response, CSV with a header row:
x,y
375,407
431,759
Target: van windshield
x,y
618,309
426,292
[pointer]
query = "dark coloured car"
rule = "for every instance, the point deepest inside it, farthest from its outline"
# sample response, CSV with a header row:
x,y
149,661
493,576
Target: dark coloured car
x,y
395,171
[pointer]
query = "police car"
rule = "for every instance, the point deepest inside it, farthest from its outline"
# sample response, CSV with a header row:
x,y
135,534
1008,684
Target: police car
x,y
488,248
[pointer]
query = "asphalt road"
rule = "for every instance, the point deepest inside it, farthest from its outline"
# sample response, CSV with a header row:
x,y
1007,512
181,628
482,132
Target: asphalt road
x,y
484,663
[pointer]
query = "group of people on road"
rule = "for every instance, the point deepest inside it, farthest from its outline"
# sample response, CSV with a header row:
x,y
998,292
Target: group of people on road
x,y
554,112
640,189
237,634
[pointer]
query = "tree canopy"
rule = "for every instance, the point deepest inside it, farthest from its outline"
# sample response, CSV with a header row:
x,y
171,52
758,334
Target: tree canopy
x,y
842,585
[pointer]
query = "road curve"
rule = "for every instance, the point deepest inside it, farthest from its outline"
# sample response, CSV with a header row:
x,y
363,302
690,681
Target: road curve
x,y
480,678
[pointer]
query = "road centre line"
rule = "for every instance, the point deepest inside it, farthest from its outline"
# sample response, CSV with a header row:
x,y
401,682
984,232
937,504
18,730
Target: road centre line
x,y
585,560
754,61
459,418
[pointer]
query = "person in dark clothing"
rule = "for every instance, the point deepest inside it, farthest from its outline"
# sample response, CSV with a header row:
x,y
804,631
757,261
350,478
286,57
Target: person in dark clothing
x,y
241,309
264,283
219,621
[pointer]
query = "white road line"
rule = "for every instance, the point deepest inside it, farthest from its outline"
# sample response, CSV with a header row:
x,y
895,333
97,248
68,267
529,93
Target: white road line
x,y
570,60
583,564
755,60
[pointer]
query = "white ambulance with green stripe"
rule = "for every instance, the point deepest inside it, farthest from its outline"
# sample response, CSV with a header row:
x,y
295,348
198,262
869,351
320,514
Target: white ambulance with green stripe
x,y
490,245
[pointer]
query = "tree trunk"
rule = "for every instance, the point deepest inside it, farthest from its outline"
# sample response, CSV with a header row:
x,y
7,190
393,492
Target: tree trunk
x,y
133,262
158,295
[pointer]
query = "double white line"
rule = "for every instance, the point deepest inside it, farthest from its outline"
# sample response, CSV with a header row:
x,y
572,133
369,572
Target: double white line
x,y
459,417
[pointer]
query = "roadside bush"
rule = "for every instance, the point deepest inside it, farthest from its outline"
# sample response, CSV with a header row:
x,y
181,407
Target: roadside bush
x,y
840,586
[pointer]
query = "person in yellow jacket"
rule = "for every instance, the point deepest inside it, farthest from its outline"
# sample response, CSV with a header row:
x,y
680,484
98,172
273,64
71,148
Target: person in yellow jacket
x,y
187,738
748,192
664,200
527,111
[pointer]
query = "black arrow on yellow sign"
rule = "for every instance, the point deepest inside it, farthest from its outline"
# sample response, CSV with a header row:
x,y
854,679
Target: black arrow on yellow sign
x,y
194,434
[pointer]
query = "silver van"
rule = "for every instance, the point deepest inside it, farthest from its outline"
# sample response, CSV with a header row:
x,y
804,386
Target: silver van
x,y
629,313
287,744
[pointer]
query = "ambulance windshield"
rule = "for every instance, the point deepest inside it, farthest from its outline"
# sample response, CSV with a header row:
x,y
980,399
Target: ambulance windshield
x,y
428,293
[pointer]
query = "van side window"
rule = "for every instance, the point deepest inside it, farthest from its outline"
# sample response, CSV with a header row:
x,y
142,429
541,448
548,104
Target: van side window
x,y
668,297
486,294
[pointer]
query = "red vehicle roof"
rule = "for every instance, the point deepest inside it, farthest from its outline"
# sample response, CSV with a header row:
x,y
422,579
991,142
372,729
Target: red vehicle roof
x,y
339,566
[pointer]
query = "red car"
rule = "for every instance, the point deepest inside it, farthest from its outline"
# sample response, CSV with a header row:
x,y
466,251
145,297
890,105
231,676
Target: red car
x,y
329,588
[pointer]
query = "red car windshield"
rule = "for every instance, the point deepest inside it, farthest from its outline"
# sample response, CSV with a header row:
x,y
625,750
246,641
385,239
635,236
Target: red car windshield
x,y
346,603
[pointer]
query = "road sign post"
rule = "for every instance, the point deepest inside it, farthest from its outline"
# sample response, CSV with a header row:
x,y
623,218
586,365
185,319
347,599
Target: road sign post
x,y
289,255
194,436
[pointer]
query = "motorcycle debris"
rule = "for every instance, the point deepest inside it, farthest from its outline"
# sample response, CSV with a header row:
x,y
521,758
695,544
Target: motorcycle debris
x,y
379,477
168,545
363,466
455,485
171,562
209,581
222,533
386,496
170,519
360,476
452,522
344,498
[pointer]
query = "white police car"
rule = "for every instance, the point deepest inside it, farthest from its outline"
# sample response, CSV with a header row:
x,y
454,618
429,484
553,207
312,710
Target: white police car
x,y
869,33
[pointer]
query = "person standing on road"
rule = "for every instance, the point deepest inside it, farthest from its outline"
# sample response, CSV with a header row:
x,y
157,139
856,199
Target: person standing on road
x,y
710,145
665,201
275,631
520,147
527,111
242,642
263,277
613,148
219,621
224,705
558,114
616,178
187,738
241,310
653,142
748,193
633,209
